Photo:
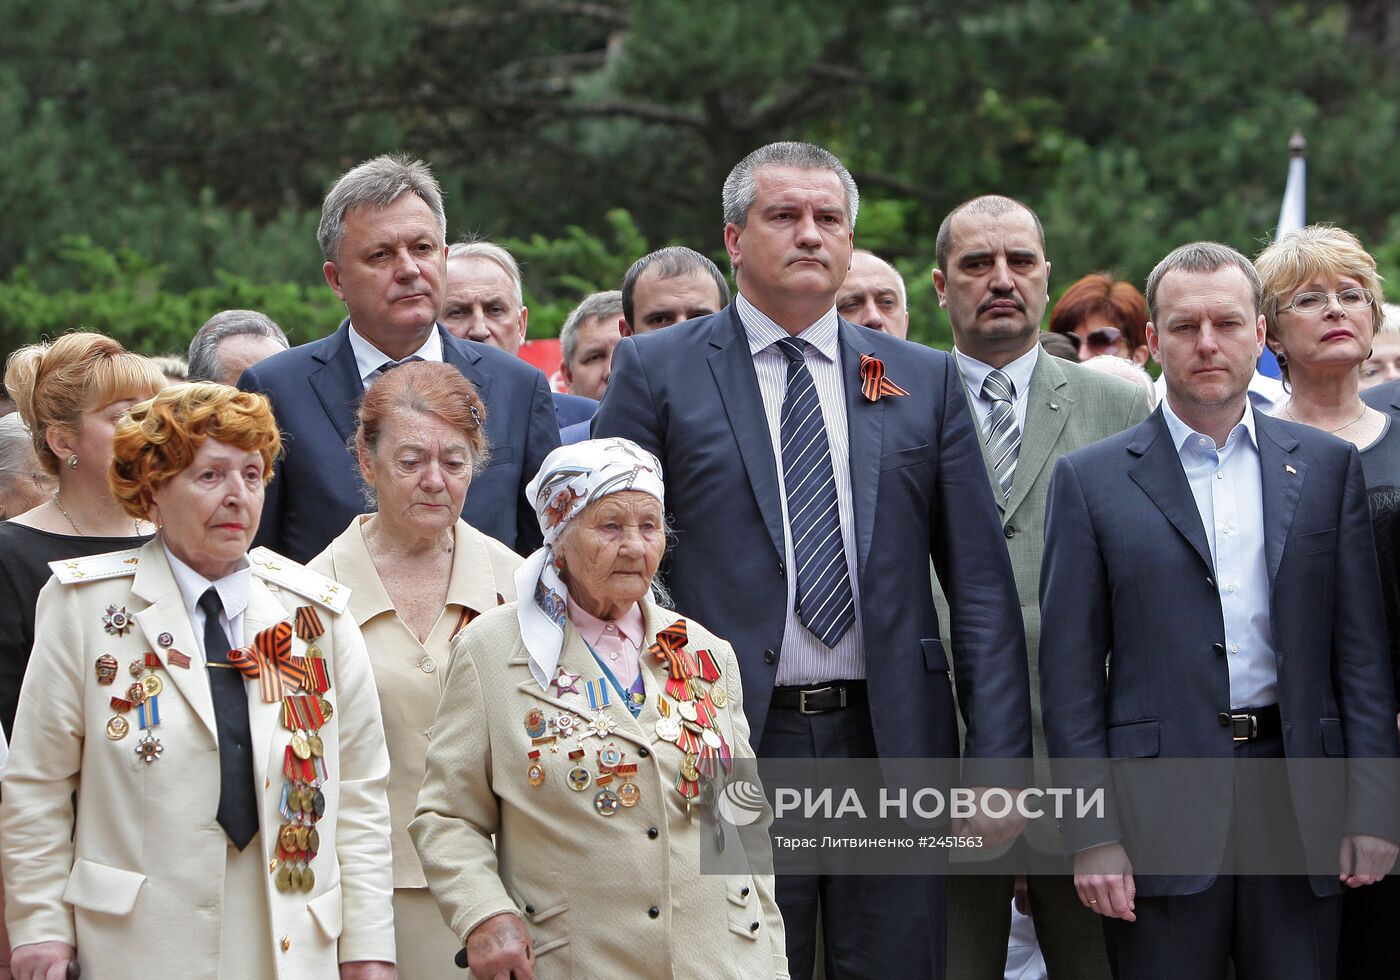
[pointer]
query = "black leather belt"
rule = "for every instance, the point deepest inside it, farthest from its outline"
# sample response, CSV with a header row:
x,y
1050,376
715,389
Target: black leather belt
x,y
819,700
1252,723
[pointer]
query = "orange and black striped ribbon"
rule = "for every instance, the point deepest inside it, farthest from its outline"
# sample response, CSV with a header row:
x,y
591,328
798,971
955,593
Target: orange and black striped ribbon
x,y
873,383
308,623
463,618
669,646
270,660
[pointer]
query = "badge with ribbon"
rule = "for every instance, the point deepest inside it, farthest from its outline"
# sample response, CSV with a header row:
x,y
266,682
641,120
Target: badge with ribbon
x,y
873,383
269,659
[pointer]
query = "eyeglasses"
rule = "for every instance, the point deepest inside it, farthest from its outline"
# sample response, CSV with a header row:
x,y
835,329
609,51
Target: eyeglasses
x,y
1103,338
1354,298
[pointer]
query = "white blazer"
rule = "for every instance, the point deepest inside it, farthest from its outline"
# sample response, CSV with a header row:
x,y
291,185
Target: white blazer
x,y
137,882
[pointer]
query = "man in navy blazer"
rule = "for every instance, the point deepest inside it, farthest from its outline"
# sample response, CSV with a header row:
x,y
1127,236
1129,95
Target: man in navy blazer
x,y
382,230
905,465
1220,562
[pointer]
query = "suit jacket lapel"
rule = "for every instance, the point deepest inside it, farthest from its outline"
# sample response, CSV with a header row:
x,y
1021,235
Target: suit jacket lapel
x,y
460,355
1048,405
1281,476
986,456
1158,472
337,383
732,366
865,422
167,614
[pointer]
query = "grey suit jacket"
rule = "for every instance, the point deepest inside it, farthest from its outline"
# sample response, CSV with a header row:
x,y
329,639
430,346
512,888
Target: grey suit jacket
x,y
1068,406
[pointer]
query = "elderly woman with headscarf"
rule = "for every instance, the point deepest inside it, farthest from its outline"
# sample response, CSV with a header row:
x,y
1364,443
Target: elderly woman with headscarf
x,y
580,726
212,715
418,574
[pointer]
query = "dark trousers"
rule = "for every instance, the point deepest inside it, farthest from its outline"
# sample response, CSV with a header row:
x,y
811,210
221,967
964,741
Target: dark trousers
x,y
979,925
1370,944
873,928
1271,927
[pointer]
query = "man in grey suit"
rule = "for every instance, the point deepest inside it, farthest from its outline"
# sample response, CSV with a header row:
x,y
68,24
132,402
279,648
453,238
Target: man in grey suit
x,y
1031,409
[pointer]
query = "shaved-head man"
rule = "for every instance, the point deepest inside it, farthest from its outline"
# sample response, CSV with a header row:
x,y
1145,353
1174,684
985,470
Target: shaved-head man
x,y
874,296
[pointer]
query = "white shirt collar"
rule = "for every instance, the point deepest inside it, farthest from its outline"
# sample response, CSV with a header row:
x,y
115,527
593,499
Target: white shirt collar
x,y
233,589
1181,432
762,332
974,372
369,359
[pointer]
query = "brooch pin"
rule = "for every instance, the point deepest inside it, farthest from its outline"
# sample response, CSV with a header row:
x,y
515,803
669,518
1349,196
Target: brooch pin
x,y
566,682
117,621
873,383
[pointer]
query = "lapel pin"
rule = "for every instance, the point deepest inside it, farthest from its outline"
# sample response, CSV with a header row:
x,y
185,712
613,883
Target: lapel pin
x,y
116,621
1288,468
1054,406
566,682
164,640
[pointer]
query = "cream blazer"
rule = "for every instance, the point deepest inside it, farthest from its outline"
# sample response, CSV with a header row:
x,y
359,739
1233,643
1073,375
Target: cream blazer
x,y
408,674
137,883
585,884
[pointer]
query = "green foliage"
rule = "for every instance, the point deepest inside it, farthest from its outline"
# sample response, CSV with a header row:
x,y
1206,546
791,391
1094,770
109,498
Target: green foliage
x,y
162,160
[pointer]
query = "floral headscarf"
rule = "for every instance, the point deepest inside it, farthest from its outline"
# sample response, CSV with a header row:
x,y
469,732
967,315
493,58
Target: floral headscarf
x,y
571,478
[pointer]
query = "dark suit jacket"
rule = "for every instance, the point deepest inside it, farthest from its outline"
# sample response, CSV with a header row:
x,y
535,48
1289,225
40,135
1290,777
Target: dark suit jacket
x,y
572,409
919,490
315,391
1385,397
1127,578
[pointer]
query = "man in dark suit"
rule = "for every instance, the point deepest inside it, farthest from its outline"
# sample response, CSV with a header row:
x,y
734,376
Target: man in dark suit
x,y
1032,408
807,507
1220,561
1383,397
382,230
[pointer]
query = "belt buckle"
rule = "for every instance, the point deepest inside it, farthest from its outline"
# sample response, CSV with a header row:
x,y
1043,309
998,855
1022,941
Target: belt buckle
x,y
802,699
1253,720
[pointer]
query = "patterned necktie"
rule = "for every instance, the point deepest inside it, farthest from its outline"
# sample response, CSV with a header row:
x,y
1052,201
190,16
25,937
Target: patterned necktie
x,y
1000,430
388,366
825,603
238,809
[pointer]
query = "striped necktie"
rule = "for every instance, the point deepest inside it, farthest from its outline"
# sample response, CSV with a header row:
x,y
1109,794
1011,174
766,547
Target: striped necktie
x,y
1000,430
388,366
825,602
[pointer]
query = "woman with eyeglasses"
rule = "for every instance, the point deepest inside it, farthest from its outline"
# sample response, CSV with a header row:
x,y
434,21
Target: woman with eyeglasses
x,y
1103,316
1322,305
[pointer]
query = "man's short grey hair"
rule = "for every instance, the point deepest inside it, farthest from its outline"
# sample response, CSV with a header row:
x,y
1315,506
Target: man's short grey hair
x,y
204,348
991,204
903,292
491,252
1202,257
377,183
17,457
604,306
741,186
667,263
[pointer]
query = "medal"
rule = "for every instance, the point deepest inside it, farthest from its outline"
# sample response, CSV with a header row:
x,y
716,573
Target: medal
x,y
710,738
603,726
148,750
534,774
687,710
287,838
609,756
629,794
326,709
117,727
106,669
318,747
136,693
565,682
668,729
284,878
137,667
535,725
579,778
689,772
116,621
719,696
153,685
606,803
564,723
308,879
313,841
301,747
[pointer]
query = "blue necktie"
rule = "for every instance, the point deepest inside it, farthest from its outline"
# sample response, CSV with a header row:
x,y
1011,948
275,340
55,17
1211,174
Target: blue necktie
x,y
1000,430
825,603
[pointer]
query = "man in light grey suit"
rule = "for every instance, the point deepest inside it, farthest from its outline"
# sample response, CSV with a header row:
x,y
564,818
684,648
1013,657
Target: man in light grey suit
x,y
1031,408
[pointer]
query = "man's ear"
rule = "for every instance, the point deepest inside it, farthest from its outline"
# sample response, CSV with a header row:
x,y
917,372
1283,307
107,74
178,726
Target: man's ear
x,y
332,274
623,327
524,321
940,285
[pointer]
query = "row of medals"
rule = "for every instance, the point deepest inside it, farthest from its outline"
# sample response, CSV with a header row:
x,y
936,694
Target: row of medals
x,y
544,730
144,691
303,801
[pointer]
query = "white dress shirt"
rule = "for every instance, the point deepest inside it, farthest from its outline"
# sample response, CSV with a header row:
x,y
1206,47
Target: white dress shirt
x,y
805,659
369,359
974,375
233,593
1229,493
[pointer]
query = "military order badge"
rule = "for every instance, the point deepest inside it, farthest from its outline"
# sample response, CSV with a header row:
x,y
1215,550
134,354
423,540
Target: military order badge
x,y
116,620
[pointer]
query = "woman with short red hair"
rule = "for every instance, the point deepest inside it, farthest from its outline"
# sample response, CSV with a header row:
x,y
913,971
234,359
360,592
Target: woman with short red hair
x,y
1105,316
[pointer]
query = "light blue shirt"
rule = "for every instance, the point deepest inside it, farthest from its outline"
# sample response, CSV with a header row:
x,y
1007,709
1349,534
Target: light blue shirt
x,y
1229,492
805,659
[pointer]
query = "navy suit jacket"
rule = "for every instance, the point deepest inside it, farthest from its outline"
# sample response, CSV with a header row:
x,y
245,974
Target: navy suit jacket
x,y
315,391
919,490
1384,397
1127,578
572,409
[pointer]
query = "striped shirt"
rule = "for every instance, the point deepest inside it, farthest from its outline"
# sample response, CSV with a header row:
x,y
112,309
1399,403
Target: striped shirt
x,y
805,659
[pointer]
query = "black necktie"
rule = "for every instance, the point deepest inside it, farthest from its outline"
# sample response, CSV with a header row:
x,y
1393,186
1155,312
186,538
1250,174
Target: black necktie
x,y
238,808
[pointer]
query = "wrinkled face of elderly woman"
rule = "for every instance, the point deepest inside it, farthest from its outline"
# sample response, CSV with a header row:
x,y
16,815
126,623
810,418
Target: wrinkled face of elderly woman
x,y
420,472
209,511
611,552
